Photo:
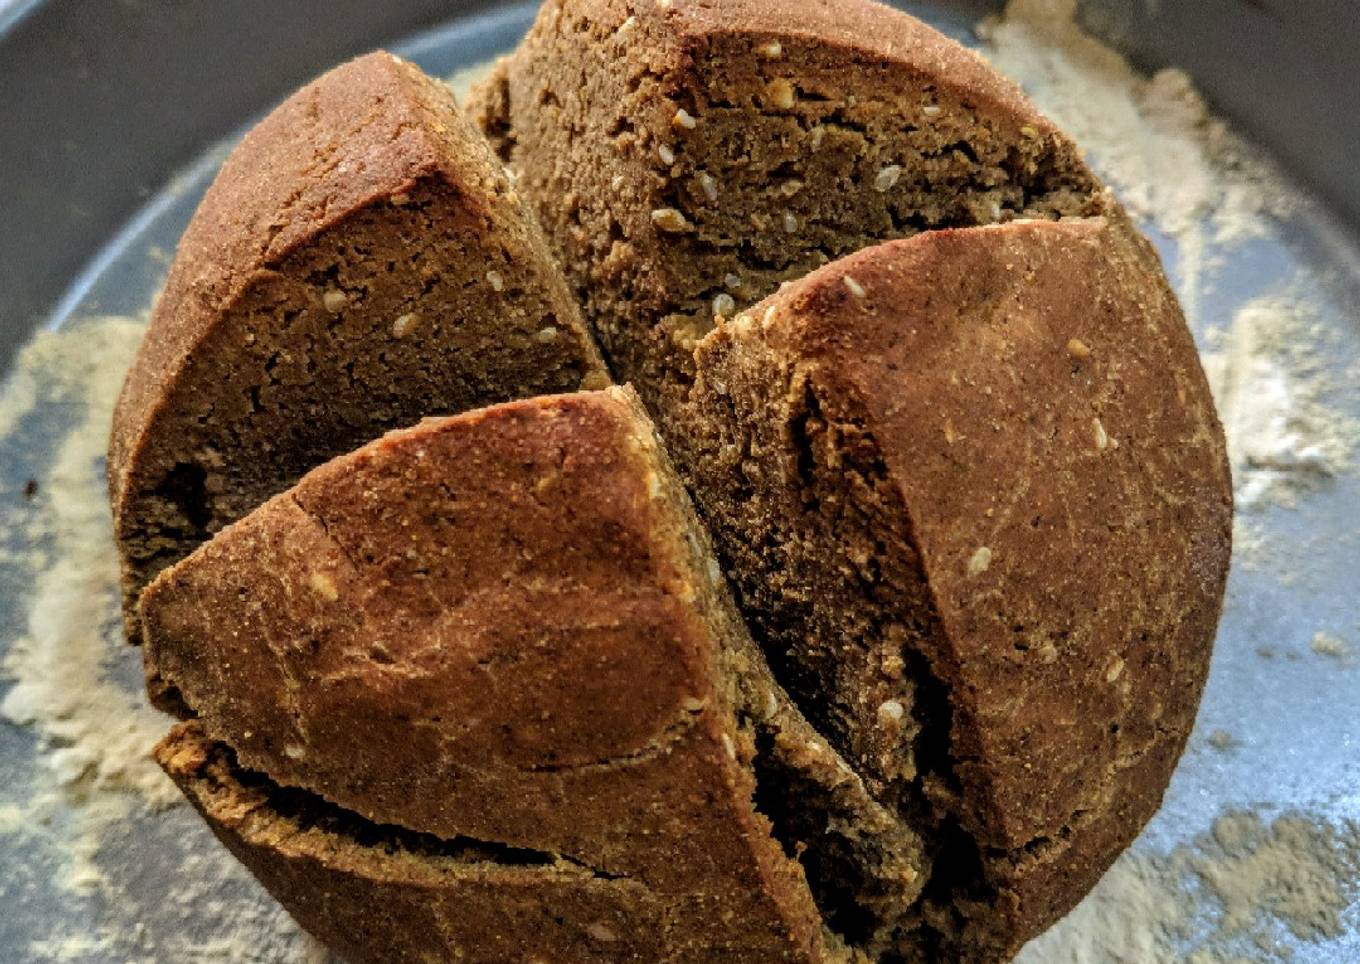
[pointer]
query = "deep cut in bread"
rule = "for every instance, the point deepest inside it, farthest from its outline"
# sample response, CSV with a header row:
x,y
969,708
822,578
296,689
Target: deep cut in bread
x,y
383,894
976,477
507,627
687,157
360,262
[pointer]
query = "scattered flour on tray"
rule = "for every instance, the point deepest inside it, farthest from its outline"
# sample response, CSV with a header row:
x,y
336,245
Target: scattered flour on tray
x,y
1276,398
1231,894
76,828
91,726
1153,138
1330,645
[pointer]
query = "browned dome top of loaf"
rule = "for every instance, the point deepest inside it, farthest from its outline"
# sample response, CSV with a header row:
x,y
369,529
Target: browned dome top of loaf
x,y
294,175
865,32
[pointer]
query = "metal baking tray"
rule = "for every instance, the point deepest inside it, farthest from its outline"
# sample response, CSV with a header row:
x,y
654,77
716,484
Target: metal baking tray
x,y
113,119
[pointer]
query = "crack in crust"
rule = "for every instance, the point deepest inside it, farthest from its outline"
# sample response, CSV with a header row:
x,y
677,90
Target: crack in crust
x,y
300,319
189,752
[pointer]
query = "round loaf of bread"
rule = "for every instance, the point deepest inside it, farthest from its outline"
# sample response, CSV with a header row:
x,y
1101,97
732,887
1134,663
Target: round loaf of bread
x,y
488,688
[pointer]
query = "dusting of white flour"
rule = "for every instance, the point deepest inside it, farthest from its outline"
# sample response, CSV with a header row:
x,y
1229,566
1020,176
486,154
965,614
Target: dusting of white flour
x,y
92,728
81,833
98,813
1275,396
1184,171
1153,138
1230,894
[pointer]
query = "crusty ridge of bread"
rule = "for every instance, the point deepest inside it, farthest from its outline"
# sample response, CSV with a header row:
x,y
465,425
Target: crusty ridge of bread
x,y
360,261
518,610
686,158
976,477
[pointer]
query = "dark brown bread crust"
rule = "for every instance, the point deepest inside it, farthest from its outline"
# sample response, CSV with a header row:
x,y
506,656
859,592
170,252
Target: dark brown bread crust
x,y
992,454
517,612
360,261
684,156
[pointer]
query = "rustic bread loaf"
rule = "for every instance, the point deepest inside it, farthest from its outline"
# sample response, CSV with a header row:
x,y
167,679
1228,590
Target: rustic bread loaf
x,y
974,479
506,628
968,484
686,157
360,262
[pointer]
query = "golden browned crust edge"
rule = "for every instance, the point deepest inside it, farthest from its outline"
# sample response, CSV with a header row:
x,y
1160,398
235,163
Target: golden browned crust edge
x,y
696,26
265,202
862,30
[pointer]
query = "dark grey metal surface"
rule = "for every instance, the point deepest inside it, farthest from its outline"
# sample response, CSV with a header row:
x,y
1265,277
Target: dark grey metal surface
x,y
1287,72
